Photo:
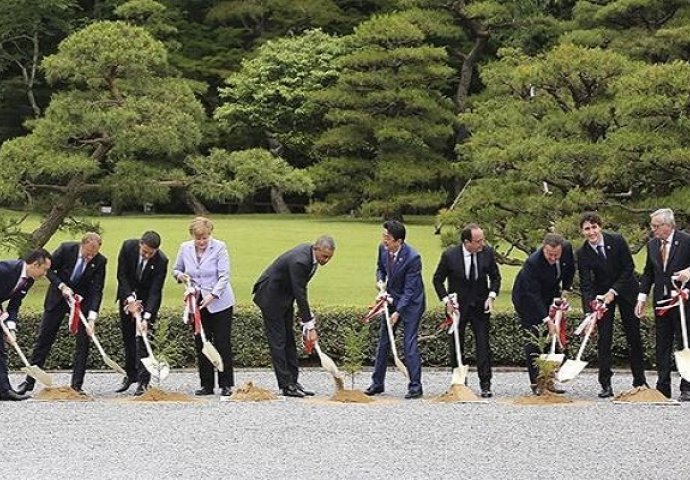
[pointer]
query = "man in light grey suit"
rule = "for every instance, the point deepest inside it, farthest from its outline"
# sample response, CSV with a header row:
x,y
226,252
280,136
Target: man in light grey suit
x,y
282,284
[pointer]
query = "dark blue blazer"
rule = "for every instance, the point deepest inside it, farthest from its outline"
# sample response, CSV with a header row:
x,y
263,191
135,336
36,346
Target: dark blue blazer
x,y
10,271
536,285
404,281
654,273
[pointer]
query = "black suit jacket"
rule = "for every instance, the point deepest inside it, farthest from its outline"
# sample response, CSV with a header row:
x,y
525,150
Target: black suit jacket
x,y
536,285
616,272
150,289
451,267
10,272
654,273
285,281
89,286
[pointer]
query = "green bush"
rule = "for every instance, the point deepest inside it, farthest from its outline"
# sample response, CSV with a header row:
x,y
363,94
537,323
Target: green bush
x,y
250,348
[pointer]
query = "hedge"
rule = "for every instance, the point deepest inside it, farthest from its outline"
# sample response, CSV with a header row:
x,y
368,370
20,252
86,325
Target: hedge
x,y
250,347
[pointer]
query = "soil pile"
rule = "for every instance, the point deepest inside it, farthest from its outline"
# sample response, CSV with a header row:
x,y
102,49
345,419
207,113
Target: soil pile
x,y
350,396
457,393
546,398
642,395
251,393
157,395
61,394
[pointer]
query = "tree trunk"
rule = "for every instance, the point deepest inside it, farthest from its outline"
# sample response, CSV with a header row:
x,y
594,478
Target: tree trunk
x,y
61,209
195,204
278,202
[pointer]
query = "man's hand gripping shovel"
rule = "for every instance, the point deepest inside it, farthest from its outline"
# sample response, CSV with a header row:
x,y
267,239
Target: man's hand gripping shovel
x,y
33,371
192,311
559,306
72,301
459,372
159,369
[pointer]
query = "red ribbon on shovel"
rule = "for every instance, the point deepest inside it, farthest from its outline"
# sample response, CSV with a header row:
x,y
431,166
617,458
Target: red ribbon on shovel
x,y
678,294
75,314
192,312
562,306
598,310
377,309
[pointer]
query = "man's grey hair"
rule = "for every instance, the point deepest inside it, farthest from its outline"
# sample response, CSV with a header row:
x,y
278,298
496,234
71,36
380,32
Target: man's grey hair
x,y
553,240
665,216
325,242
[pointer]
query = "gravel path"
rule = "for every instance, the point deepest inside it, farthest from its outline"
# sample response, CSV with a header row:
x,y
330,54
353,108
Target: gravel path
x,y
311,439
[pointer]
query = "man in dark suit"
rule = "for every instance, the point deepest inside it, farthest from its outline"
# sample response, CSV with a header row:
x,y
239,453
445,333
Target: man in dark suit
x,y
399,267
667,253
605,266
16,278
78,268
141,272
279,287
543,276
473,275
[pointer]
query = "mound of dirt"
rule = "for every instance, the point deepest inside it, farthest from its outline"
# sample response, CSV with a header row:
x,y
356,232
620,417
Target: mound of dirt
x,y
546,398
350,396
642,395
457,393
157,395
61,394
251,393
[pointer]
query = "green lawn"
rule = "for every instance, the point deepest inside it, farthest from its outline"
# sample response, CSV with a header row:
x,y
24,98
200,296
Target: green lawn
x,y
255,240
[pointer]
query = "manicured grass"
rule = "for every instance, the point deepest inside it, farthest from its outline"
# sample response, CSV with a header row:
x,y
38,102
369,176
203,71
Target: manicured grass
x,y
255,240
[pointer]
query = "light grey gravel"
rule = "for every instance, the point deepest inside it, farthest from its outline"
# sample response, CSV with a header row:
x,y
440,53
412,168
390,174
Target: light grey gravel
x,y
297,439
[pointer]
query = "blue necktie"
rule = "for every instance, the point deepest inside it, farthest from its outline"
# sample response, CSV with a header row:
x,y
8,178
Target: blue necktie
x,y
78,270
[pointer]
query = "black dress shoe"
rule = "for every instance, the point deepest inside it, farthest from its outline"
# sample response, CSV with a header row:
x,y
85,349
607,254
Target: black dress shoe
x,y
124,386
80,391
292,391
226,391
535,390
413,394
606,392
24,387
308,393
486,393
557,390
12,396
684,397
203,391
141,389
373,390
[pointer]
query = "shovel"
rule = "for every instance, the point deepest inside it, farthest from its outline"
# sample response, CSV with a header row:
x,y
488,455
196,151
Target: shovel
x,y
33,371
683,356
398,363
552,356
106,359
159,370
327,363
459,372
208,349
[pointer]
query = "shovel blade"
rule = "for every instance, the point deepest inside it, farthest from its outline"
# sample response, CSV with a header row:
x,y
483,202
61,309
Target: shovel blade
x,y
329,365
113,364
570,369
159,370
213,356
459,375
401,367
35,371
683,363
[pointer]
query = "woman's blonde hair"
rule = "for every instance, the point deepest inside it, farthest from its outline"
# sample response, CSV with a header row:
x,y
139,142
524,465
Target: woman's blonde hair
x,y
201,225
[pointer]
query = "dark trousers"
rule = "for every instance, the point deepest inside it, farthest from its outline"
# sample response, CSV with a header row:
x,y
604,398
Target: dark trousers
x,y
479,322
218,330
532,352
47,332
134,349
413,360
4,379
668,327
631,327
278,325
